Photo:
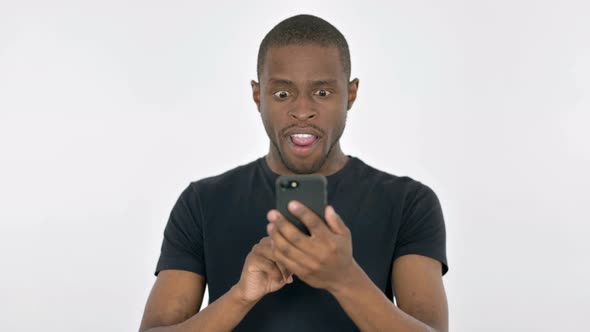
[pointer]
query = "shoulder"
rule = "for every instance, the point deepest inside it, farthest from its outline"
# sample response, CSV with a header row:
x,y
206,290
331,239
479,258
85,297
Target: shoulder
x,y
405,185
234,177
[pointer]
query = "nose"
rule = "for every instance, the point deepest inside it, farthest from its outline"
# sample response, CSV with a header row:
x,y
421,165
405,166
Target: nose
x,y
303,109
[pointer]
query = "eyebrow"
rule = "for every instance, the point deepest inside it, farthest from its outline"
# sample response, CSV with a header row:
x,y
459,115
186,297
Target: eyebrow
x,y
313,83
323,82
279,81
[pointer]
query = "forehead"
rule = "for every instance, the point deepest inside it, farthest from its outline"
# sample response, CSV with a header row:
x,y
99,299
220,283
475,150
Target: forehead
x,y
302,63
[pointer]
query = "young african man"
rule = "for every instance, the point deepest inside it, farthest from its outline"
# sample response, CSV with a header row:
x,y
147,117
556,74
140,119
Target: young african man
x,y
383,235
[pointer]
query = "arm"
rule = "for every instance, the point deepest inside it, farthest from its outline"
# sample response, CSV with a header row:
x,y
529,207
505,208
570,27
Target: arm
x,y
173,304
324,260
420,297
175,299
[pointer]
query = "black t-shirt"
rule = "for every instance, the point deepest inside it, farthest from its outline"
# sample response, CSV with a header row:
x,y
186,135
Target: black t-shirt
x,y
216,222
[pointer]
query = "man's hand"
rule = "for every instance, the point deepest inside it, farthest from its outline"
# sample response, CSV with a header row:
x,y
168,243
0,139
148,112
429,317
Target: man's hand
x,y
322,260
261,274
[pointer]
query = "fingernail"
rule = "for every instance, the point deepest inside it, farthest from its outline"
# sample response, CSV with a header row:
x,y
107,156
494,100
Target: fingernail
x,y
294,206
290,279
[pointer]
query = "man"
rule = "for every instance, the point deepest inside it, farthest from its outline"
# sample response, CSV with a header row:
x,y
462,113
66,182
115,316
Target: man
x,y
383,235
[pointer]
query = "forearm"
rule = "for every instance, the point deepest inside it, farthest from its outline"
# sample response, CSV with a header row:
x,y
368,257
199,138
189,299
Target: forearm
x,y
222,315
370,309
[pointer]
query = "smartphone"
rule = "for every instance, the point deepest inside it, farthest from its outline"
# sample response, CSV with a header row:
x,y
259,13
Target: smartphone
x,y
310,190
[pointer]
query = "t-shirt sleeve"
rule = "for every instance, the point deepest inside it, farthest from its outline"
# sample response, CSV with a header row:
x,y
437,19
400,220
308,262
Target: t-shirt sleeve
x,y
182,247
422,231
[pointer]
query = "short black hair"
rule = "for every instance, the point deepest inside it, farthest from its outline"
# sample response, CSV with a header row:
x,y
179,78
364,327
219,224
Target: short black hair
x,y
305,29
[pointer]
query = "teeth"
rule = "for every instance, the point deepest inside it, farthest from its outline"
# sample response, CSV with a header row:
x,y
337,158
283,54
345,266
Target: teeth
x,y
302,135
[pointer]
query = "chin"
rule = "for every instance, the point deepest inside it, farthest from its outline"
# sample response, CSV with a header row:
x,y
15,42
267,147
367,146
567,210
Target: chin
x,y
303,166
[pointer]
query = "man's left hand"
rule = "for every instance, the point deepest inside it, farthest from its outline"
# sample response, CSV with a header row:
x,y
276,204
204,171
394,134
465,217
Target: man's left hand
x,y
322,260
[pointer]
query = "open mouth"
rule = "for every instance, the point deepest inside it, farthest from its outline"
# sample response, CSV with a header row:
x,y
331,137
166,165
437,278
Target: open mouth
x,y
302,144
303,140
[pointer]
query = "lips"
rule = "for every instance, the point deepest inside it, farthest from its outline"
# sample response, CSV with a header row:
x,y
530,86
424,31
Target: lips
x,y
303,130
302,141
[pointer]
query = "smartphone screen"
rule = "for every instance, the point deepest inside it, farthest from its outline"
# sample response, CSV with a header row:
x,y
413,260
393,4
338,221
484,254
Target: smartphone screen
x,y
310,190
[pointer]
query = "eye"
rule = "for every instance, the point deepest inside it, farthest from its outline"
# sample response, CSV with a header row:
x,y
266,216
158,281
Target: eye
x,y
322,93
281,94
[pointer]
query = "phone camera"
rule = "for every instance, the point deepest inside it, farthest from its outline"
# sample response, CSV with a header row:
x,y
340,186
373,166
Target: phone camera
x,y
291,184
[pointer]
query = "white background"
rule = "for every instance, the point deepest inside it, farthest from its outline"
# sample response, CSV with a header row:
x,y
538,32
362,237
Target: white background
x,y
108,109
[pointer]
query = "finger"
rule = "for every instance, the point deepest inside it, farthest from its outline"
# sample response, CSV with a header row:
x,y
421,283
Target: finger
x,y
310,219
293,266
289,231
263,264
269,254
335,223
285,273
267,251
288,250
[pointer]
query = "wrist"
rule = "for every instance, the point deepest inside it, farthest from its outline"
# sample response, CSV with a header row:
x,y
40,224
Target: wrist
x,y
351,279
239,296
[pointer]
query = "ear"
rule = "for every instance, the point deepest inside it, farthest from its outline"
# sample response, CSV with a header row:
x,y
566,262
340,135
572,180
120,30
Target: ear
x,y
256,93
353,87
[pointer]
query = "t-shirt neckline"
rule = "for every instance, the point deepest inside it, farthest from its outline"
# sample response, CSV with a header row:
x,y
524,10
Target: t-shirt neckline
x,y
333,178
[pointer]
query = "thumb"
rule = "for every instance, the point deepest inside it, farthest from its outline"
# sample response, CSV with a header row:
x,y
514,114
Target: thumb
x,y
334,221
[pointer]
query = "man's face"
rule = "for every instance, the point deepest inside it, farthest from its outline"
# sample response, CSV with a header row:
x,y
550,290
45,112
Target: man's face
x,y
303,98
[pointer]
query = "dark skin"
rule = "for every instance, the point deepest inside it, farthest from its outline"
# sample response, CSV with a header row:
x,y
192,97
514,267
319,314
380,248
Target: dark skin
x,y
324,260
304,87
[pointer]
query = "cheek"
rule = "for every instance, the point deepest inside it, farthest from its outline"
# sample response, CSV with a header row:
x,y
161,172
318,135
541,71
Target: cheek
x,y
337,114
338,123
269,122
265,120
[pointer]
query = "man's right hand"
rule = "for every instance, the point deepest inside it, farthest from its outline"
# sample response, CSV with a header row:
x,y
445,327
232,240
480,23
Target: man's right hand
x,y
175,300
260,274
